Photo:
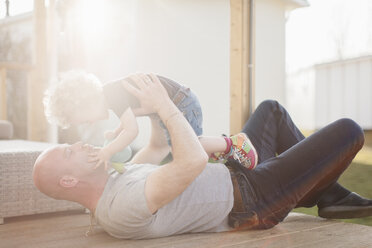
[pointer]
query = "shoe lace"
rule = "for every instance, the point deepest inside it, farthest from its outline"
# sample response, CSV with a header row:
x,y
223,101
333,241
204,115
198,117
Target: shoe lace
x,y
237,155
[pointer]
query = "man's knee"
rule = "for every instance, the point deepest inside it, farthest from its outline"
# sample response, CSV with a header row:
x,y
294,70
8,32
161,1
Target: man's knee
x,y
352,128
268,106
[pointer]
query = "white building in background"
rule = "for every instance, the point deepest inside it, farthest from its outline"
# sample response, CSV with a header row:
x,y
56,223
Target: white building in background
x,y
189,41
269,47
186,40
326,92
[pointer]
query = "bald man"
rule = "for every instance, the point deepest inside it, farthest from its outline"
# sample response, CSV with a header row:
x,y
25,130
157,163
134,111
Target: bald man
x,y
63,172
190,195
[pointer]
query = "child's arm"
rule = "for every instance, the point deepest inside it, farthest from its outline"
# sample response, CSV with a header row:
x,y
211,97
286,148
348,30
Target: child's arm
x,y
127,133
157,148
112,134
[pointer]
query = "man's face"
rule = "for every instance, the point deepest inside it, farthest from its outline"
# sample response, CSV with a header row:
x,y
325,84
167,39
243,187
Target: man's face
x,y
75,157
64,160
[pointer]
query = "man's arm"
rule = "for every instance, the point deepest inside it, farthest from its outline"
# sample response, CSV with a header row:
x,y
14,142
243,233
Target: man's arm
x,y
189,157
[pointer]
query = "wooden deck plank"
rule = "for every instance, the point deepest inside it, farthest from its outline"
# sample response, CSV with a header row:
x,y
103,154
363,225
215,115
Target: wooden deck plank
x,y
68,229
333,235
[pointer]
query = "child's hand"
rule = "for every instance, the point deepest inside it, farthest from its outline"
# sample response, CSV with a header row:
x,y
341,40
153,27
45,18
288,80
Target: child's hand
x,y
110,135
100,156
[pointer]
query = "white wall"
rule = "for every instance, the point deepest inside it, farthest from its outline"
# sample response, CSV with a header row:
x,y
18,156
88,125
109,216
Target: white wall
x,y
185,40
269,50
300,100
188,41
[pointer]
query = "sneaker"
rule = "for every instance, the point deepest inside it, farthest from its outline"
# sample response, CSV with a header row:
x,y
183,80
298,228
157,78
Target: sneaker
x,y
351,206
241,149
218,157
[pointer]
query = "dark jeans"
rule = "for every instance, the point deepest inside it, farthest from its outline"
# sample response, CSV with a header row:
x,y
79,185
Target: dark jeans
x,y
294,171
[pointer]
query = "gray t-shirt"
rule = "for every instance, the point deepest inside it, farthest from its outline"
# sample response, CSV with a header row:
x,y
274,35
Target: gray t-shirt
x,y
203,207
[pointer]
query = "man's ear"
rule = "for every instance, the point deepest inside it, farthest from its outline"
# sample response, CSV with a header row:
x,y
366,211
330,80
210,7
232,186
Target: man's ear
x,y
68,181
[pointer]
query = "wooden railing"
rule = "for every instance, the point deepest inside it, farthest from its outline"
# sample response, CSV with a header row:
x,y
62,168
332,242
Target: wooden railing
x,y
4,68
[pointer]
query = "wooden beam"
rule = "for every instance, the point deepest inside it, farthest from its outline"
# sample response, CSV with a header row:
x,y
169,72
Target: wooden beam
x,y
236,7
239,64
52,57
36,121
44,68
3,94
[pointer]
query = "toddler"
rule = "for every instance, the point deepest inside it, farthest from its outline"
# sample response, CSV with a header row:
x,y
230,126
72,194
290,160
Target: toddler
x,y
80,98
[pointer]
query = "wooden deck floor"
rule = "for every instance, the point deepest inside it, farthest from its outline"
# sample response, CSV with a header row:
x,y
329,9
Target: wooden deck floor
x,y
68,229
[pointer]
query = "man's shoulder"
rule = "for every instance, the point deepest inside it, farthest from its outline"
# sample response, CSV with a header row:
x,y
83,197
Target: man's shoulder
x,y
122,209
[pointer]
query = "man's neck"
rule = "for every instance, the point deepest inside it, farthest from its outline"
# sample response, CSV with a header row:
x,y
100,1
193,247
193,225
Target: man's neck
x,y
92,193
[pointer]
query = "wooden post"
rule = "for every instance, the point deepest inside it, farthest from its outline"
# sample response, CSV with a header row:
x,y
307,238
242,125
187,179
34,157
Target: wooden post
x,y
3,94
38,128
240,67
52,58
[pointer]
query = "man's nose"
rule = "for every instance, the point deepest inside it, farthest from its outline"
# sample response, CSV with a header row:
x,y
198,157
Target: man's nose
x,y
88,147
77,145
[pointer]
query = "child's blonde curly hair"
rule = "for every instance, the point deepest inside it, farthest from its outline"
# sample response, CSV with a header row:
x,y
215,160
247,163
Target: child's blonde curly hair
x,y
76,91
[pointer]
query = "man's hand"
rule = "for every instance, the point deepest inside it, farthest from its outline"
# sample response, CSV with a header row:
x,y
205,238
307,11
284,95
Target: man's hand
x,y
100,156
149,91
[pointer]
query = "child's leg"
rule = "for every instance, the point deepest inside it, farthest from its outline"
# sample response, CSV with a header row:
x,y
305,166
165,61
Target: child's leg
x,y
237,147
157,148
219,149
213,144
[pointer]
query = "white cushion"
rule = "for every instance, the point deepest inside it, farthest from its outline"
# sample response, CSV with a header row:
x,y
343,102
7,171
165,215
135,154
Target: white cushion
x,y
6,129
